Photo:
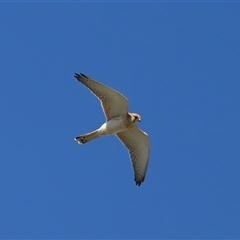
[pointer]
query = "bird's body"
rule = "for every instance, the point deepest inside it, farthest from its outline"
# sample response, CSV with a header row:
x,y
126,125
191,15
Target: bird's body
x,y
120,122
113,126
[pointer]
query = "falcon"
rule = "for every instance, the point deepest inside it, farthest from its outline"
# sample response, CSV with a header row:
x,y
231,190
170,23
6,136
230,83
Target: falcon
x,y
121,123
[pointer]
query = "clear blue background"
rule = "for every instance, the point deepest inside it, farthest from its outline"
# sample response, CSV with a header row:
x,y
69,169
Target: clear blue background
x,y
179,66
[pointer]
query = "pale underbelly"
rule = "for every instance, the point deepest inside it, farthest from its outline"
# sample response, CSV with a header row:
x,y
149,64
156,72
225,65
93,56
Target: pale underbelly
x,y
112,126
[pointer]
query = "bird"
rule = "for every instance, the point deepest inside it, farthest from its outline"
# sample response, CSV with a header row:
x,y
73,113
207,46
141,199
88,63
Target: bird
x,y
119,122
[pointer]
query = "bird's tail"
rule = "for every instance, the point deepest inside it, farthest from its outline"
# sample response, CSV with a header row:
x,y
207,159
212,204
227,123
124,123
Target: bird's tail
x,y
87,137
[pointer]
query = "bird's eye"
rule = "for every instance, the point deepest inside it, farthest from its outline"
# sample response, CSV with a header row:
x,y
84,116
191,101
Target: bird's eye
x,y
137,118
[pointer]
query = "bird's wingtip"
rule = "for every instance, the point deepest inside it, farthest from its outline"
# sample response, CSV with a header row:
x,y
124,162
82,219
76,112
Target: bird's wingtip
x,y
79,75
76,75
139,182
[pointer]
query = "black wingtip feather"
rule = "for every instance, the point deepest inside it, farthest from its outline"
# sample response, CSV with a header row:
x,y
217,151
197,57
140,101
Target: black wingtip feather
x,y
138,183
77,75
84,75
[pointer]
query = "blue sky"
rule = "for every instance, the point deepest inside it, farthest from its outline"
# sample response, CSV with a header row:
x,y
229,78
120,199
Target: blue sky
x,y
177,63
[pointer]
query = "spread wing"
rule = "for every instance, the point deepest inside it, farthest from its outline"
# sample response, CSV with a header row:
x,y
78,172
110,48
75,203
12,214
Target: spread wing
x,y
138,146
113,102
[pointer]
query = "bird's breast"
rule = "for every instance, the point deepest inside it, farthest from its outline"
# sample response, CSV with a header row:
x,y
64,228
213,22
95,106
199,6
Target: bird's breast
x,y
114,125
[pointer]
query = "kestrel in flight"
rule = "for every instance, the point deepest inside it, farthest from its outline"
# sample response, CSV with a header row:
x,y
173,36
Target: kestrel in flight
x,y
119,122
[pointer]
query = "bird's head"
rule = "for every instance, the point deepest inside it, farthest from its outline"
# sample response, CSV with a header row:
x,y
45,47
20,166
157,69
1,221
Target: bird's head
x,y
134,117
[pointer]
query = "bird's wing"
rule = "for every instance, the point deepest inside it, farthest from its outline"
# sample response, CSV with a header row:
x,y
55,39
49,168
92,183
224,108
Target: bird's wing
x,y
113,102
138,146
